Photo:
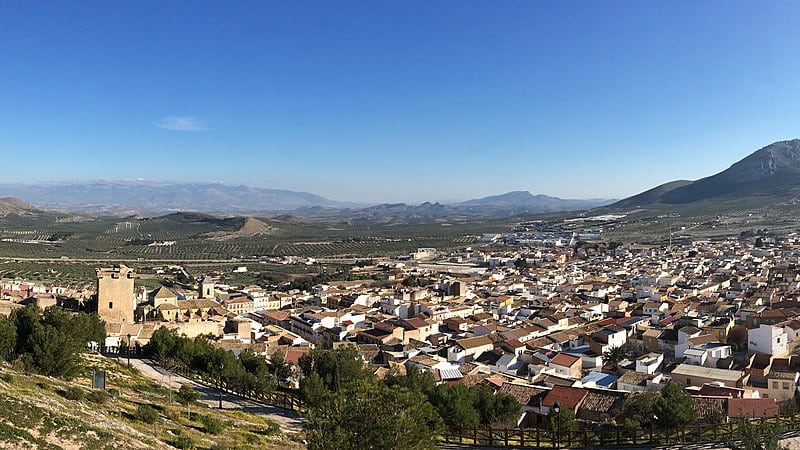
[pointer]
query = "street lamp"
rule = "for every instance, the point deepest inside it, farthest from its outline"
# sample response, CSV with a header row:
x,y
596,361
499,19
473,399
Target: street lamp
x,y
129,349
219,383
557,410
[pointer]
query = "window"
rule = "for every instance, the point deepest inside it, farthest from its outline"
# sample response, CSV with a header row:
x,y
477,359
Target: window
x,y
110,305
775,385
786,385
688,381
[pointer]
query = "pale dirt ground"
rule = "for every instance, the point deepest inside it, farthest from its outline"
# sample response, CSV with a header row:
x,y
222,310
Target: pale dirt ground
x,y
290,421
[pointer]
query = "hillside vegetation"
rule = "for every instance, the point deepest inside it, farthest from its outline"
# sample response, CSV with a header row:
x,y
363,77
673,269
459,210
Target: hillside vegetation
x,y
43,412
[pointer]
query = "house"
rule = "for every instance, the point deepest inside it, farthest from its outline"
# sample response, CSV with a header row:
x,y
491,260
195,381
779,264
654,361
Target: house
x,y
770,339
467,349
566,397
649,363
567,365
599,380
639,382
689,375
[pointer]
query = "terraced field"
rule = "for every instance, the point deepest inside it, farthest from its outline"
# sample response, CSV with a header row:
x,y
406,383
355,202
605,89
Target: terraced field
x,y
181,237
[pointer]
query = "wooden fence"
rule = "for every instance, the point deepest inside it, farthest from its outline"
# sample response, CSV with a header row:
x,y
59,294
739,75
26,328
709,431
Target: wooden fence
x,y
601,436
279,399
611,435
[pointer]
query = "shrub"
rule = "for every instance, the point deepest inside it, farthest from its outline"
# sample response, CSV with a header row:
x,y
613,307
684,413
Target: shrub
x,y
7,377
183,442
74,393
146,414
99,397
271,428
113,392
172,413
212,424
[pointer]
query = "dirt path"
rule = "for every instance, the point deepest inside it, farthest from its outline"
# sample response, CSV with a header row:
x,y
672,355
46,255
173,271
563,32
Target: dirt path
x,y
290,421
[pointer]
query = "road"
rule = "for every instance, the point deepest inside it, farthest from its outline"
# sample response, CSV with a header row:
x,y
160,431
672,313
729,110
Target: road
x,y
290,421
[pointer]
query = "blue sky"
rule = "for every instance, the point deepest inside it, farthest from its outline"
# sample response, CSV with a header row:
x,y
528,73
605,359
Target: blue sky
x,y
395,101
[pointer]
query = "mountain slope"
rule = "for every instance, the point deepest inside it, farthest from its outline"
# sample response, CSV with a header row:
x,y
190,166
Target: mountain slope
x,y
11,205
769,175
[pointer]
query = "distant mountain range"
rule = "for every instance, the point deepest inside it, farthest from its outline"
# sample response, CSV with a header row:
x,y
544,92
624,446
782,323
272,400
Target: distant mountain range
x,y
121,198
126,198
768,176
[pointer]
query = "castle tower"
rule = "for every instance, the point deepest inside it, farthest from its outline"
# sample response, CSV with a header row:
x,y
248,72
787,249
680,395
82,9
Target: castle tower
x,y
115,294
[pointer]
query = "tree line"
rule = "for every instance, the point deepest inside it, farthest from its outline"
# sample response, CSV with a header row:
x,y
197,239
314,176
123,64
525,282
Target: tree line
x,y
247,373
48,342
350,408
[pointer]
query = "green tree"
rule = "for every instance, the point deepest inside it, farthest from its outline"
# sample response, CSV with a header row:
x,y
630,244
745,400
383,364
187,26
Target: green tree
x,y
613,356
313,390
336,368
8,337
565,419
186,396
414,379
278,366
162,344
638,408
53,352
674,408
456,405
398,418
496,409
411,281
753,437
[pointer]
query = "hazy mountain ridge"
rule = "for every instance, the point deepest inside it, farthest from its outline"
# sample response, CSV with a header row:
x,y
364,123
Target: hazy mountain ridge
x,y
129,198
125,198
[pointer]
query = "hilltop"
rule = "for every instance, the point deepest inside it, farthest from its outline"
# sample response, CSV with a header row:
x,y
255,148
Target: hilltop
x,y
772,174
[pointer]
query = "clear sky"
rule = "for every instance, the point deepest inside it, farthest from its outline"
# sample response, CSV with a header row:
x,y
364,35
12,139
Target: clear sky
x,y
395,101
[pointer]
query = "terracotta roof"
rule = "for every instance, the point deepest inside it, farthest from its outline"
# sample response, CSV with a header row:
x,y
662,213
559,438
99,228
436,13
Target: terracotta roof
x,y
752,407
280,316
523,394
599,405
567,397
564,360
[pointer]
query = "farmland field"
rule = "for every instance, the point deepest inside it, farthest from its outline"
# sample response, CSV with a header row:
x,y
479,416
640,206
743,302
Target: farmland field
x,y
189,237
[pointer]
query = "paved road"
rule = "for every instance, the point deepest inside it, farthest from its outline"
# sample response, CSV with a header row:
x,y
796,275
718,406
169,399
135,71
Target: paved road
x,y
290,421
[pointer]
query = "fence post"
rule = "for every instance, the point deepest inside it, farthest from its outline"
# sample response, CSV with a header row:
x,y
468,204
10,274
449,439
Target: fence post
x,y
538,437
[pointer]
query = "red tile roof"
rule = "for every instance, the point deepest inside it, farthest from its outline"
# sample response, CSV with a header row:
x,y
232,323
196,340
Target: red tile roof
x,y
752,407
564,360
567,397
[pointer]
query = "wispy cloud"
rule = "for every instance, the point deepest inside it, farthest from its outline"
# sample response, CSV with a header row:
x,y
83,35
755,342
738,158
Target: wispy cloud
x,y
182,123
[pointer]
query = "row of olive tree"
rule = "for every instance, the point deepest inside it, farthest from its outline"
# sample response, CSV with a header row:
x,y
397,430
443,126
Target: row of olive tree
x,y
49,342
350,408
248,373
